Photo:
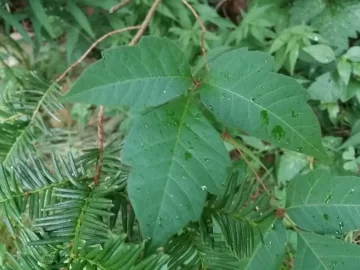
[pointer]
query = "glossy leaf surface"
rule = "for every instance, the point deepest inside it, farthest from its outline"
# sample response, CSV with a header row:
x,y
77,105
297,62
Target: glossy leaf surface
x,y
241,90
146,75
325,253
176,157
322,203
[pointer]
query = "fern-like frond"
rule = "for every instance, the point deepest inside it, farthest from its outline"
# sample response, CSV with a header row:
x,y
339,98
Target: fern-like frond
x,y
31,187
115,254
114,169
26,100
189,251
237,214
80,212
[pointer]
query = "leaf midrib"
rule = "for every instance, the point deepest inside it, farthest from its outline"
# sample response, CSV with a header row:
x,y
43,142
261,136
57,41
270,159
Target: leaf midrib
x,y
129,80
322,205
168,176
312,250
270,112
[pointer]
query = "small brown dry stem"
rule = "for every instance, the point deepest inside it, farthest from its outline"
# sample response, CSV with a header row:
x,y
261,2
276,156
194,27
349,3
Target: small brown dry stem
x,y
118,6
220,4
145,23
100,142
73,65
100,135
203,31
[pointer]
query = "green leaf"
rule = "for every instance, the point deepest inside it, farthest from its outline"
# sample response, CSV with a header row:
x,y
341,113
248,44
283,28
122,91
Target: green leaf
x,y
335,20
327,88
80,17
324,204
325,253
321,53
146,75
8,18
40,13
269,106
349,154
353,54
270,252
344,68
303,11
354,140
290,165
176,156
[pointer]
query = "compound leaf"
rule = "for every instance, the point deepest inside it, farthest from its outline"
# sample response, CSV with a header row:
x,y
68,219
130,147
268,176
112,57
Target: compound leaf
x,y
321,203
146,75
242,91
323,253
176,156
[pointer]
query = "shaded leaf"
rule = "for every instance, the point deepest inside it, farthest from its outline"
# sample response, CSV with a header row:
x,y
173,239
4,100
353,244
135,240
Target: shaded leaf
x,y
270,253
324,204
325,253
149,74
177,157
354,140
269,106
40,13
12,21
80,17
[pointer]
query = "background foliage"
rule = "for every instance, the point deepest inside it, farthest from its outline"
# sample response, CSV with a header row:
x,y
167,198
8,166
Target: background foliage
x,y
260,179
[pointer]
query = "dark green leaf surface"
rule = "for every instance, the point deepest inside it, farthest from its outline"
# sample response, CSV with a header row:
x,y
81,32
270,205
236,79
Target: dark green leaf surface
x,y
270,253
80,17
176,156
243,92
149,74
321,203
40,14
325,253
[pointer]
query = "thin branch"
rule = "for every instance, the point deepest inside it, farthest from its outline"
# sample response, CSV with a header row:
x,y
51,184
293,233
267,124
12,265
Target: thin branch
x,y
118,6
100,135
220,4
258,179
118,31
203,31
100,142
145,23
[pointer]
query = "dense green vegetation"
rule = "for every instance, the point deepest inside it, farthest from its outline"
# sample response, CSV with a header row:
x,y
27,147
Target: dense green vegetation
x,y
208,135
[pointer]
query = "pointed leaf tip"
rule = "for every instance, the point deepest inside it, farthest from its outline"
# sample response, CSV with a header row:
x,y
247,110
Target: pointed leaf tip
x,y
244,93
146,75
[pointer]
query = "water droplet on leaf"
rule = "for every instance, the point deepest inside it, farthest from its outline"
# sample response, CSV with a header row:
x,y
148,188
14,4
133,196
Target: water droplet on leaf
x,y
265,117
187,156
278,133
